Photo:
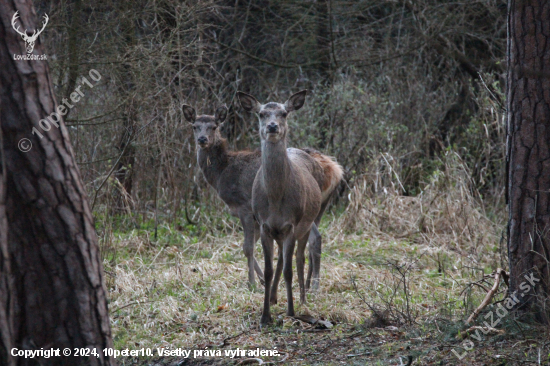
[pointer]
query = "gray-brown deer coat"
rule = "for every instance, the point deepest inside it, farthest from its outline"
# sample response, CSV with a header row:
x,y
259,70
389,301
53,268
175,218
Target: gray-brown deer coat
x,y
286,195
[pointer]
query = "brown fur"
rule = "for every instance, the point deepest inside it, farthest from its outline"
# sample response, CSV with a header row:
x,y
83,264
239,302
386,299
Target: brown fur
x,y
333,172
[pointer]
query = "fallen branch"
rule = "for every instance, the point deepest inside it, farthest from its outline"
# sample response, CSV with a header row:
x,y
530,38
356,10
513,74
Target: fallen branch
x,y
500,273
485,330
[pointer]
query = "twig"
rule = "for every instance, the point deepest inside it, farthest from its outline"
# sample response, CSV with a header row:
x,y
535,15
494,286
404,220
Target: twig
x,y
224,343
130,304
359,354
500,273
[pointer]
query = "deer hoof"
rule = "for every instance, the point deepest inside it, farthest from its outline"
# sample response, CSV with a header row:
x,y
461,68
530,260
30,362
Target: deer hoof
x,y
265,320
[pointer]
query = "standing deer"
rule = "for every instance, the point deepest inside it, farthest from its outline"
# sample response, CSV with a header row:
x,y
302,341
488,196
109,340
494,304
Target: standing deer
x,y
232,173
287,195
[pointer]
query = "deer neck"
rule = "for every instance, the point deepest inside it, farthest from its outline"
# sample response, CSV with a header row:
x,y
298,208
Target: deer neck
x,y
213,160
275,168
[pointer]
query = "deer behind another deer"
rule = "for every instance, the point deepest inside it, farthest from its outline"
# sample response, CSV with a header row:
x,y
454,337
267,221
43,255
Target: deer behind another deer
x,y
232,173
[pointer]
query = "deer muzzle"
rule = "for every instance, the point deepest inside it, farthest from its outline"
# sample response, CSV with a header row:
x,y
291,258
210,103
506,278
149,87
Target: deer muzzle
x,y
202,141
272,128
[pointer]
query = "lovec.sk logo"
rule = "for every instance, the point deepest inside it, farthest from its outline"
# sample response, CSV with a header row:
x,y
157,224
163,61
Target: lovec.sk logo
x,y
29,40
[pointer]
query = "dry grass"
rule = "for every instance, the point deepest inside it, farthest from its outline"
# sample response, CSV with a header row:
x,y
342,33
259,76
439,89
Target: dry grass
x,y
409,259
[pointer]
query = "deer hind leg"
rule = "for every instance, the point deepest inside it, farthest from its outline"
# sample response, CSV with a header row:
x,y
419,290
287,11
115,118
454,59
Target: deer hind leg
x,y
267,245
288,252
300,264
315,243
278,273
248,249
256,265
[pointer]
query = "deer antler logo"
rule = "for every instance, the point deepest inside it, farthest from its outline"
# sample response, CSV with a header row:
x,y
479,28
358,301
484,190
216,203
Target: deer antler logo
x,y
29,40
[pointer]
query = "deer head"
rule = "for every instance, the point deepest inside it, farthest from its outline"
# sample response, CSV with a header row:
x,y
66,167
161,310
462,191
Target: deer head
x,y
273,124
29,40
205,127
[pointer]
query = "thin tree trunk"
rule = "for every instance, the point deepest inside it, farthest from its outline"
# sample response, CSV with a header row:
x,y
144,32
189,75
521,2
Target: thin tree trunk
x,y
74,12
528,160
124,171
323,55
52,293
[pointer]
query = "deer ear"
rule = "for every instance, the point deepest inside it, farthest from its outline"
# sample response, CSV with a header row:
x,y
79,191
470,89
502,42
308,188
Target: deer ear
x,y
221,114
248,102
189,113
296,101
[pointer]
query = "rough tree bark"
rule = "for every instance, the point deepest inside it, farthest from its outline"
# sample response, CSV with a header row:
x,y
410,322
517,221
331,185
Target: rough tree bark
x,y
528,143
52,293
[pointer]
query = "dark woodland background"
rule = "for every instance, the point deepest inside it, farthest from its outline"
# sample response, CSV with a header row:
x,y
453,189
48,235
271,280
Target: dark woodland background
x,y
397,89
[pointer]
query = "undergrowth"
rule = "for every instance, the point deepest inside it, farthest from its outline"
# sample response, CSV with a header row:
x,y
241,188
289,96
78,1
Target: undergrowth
x,y
396,281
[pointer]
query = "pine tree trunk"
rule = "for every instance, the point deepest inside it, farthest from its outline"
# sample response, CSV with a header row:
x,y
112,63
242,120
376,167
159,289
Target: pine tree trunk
x,y
52,293
528,160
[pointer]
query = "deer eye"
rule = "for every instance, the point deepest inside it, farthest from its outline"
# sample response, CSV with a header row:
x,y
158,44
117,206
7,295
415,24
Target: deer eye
x,y
262,115
284,114
214,127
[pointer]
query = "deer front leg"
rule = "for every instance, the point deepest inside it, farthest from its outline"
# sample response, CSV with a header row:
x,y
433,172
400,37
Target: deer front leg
x,y
300,264
267,245
277,278
315,243
288,252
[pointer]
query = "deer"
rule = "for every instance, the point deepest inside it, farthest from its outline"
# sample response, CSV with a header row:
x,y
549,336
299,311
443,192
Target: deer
x,y
29,40
232,174
287,196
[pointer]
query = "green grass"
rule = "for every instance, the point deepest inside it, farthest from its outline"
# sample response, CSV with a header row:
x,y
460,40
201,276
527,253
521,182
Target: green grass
x,y
188,289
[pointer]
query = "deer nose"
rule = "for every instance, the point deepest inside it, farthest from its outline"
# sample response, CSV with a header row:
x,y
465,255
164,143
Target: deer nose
x,y
272,127
202,140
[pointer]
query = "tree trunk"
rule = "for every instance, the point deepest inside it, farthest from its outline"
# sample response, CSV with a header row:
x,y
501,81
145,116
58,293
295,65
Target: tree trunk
x,y
528,160
124,171
73,45
52,293
323,39
324,68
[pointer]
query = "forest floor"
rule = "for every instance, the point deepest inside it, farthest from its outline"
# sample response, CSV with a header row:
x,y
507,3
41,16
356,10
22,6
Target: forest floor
x,y
384,299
